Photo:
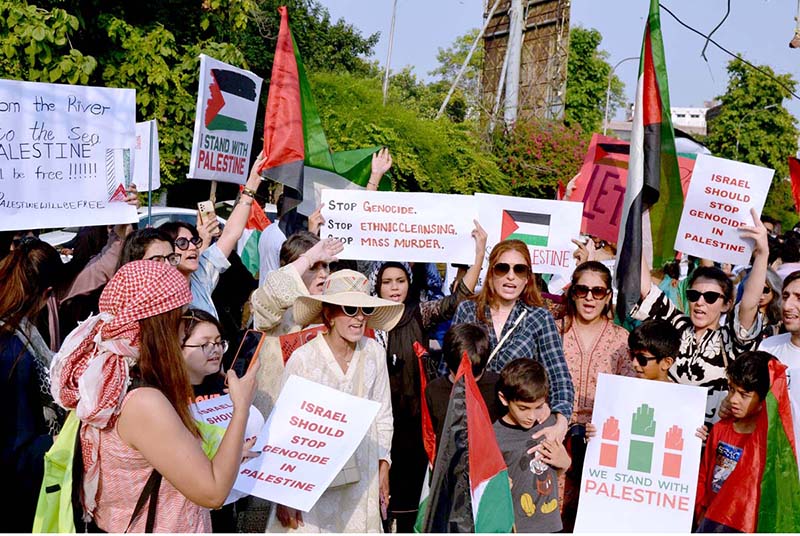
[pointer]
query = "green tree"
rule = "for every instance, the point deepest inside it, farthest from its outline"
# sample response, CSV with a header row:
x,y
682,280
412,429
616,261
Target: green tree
x,y
430,156
753,126
587,81
450,61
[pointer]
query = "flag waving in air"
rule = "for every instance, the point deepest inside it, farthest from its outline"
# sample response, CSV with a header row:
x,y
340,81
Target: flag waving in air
x,y
247,246
298,154
470,490
653,173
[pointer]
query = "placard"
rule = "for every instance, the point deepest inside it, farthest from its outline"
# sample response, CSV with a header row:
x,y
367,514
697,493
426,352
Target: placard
x,y
218,412
400,226
307,440
718,202
227,105
545,225
640,471
146,161
601,185
65,154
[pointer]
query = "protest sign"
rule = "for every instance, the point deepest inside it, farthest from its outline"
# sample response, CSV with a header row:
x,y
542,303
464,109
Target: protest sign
x,y
601,185
546,226
640,472
227,104
400,226
218,412
718,202
65,155
146,162
307,440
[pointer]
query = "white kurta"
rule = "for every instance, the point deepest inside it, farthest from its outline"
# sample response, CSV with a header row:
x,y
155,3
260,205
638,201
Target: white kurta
x,y
353,507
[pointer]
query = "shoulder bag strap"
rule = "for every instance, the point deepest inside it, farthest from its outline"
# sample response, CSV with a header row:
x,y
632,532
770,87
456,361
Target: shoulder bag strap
x,y
506,336
150,491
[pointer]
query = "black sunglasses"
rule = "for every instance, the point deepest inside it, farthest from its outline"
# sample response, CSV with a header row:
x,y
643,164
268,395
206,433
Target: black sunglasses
x,y
598,293
24,241
599,244
709,296
642,359
182,243
766,290
502,268
349,310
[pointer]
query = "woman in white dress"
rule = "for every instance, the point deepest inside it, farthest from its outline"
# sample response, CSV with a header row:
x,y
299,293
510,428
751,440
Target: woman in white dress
x,y
344,359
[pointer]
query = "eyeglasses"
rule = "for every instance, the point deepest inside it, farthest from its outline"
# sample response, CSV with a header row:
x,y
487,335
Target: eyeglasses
x,y
349,310
643,359
766,290
182,243
209,347
173,259
598,293
709,296
502,268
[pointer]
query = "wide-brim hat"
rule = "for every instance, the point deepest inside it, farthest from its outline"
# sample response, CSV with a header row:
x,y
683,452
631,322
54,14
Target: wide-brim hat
x,y
351,288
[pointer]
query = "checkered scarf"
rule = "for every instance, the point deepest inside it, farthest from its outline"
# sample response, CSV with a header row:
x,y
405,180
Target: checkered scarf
x,y
91,372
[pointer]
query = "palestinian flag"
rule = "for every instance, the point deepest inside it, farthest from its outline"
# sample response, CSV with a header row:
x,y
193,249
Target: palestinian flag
x,y
230,102
794,173
247,247
298,154
428,435
769,458
470,490
530,227
653,173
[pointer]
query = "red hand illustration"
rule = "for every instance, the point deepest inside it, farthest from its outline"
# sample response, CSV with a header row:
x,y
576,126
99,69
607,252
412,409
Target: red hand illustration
x,y
608,451
672,460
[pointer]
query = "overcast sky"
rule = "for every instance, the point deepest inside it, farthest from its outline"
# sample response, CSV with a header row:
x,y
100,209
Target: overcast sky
x,y
758,29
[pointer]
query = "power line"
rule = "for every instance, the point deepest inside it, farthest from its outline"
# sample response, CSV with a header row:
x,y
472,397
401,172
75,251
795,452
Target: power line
x,y
725,50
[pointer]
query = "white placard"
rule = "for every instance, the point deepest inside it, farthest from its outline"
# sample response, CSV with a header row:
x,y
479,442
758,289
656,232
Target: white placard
x,y
65,152
218,412
309,436
547,226
227,105
400,226
640,472
718,201
146,161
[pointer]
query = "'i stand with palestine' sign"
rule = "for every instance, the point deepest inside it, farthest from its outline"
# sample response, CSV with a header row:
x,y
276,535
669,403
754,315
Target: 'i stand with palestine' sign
x,y
227,104
65,155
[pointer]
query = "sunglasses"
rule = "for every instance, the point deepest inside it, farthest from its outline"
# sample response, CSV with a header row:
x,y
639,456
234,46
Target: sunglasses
x,y
643,359
766,290
173,259
600,244
598,293
709,296
349,310
182,243
24,241
502,268
209,347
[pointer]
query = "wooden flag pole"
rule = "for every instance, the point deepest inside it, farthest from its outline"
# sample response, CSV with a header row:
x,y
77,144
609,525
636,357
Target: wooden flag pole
x,y
150,180
213,194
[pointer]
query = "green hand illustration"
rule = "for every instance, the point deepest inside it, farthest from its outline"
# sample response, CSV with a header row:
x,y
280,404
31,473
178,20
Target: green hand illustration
x,y
640,454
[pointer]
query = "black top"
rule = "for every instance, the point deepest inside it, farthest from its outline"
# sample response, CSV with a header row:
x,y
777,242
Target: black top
x,y
437,395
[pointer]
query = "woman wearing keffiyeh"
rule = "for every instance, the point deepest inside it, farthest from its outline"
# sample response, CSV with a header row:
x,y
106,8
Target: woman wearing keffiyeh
x,y
125,433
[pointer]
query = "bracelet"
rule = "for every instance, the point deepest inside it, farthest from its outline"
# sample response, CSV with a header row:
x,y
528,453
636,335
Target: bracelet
x,y
248,192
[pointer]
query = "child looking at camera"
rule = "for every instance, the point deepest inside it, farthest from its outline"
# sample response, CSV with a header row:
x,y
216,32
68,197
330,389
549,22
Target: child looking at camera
x,y
534,465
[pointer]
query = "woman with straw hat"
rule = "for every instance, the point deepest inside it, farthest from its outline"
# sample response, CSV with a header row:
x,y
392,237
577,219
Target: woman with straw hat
x,y
342,358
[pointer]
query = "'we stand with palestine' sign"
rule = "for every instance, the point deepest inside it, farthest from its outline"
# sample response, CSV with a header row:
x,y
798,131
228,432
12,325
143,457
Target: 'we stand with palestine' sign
x,y
227,103
65,153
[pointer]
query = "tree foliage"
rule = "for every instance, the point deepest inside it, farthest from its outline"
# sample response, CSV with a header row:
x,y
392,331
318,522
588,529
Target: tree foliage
x,y
753,114
432,156
587,81
451,59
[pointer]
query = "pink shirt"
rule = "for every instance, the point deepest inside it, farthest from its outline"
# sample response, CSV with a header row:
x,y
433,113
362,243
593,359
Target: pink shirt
x,y
123,473
609,354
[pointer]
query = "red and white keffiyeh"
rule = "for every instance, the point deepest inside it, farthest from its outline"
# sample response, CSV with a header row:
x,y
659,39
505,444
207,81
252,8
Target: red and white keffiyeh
x,y
90,373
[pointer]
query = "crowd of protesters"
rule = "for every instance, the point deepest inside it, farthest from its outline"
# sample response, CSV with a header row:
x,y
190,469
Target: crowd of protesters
x,y
128,334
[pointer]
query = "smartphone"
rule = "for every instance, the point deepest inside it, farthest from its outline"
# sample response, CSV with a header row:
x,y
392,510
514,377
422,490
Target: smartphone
x,y
207,213
248,351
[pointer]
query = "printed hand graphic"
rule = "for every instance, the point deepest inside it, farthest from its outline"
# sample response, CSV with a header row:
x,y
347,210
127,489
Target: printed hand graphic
x,y
608,451
672,460
640,454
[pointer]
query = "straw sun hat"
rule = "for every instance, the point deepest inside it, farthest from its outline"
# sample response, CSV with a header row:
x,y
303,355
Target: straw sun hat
x,y
348,287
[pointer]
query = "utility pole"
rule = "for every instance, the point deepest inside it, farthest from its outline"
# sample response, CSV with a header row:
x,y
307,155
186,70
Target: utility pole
x,y
389,54
515,30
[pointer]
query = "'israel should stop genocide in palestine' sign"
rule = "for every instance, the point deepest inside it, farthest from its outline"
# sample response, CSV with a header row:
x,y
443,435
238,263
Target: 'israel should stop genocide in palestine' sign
x,y
718,202
227,104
